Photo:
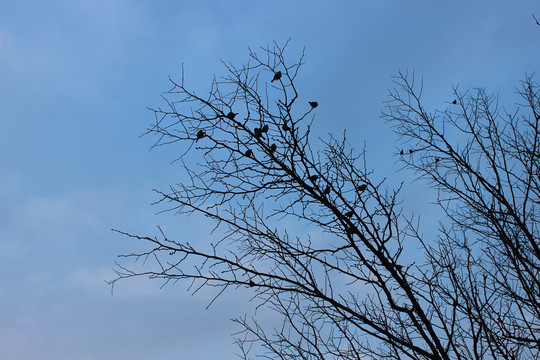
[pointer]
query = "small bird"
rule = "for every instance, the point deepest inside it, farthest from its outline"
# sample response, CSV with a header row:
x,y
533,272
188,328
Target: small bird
x,y
285,127
231,115
411,151
248,153
362,187
399,267
349,213
200,135
313,104
401,152
313,178
326,190
277,76
251,283
273,148
257,132
454,102
437,160
265,128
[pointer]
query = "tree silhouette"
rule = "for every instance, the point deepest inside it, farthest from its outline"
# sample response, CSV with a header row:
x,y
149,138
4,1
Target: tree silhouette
x,y
348,293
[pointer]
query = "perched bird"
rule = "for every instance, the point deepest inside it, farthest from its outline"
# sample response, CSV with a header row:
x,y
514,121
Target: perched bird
x,y
251,283
313,104
313,178
231,115
257,132
362,187
411,151
401,152
285,127
454,102
200,135
265,128
437,160
399,267
273,148
349,213
277,76
326,190
248,153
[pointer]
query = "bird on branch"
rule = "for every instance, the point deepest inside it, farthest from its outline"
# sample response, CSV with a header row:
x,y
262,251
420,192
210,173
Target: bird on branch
x,y
257,132
264,128
313,104
277,76
273,148
313,178
285,127
231,115
349,213
454,102
326,190
362,187
200,135
248,153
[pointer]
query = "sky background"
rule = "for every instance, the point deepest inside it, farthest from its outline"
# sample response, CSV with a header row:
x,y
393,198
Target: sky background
x,y
76,78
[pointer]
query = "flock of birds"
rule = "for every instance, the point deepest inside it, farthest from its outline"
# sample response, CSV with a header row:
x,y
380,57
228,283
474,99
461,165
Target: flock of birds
x,y
259,132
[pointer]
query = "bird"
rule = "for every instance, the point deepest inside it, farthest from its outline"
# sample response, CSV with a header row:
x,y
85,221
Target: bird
x,y
349,213
454,101
285,127
313,104
257,132
401,152
313,178
277,76
265,128
251,283
411,151
273,148
399,267
437,160
248,153
200,135
362,187
231,115
326,190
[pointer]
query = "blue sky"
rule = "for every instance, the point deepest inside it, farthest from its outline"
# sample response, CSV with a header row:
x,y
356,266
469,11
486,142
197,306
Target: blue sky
x,y
75,80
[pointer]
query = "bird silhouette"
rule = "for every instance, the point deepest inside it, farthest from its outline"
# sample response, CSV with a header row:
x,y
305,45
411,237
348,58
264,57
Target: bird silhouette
x,y
231,115
327,190
200,135
265,128
277,76
454,102
437,160
257,132
251,283
401,152
285,127
313,178
273,148
349,213
399,267
313,104
362,187
248,153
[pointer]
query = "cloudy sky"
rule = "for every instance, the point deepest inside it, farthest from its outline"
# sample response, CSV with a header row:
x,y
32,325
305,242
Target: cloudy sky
x,y
76,78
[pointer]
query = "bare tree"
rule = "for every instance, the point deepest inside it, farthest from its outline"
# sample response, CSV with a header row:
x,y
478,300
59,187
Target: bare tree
x,y
346,292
